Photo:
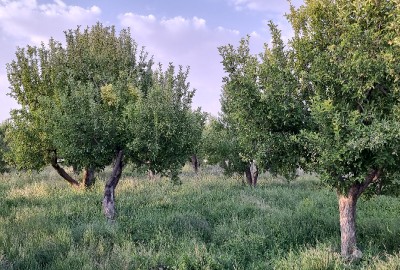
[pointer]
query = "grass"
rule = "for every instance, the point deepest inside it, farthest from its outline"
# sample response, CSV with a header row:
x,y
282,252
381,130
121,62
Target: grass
x,y
210,222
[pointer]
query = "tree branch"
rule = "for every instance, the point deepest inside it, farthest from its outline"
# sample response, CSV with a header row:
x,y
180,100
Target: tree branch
x,y
62,172
373,176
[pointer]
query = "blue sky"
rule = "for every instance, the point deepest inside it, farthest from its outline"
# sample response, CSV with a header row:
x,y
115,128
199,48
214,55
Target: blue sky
x,y
184,32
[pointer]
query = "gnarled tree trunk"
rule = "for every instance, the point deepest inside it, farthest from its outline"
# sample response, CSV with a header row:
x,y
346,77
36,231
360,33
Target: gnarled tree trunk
x,y
347,213
111,184
62,172
88,177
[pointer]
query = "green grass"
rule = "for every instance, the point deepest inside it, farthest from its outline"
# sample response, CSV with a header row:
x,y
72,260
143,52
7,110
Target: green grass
x,y
210,222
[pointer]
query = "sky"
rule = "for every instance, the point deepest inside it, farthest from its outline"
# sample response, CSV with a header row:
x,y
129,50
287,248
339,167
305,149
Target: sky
x,y
183,32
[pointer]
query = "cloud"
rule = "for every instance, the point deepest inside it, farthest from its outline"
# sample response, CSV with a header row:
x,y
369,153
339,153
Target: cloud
x,y
270,6
199,23
188,42
28,20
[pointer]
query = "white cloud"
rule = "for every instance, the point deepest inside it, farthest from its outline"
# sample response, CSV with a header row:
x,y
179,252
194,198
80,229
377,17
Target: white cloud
x,y
176,24
26,19
139,23
272,6
232,31
199,23
187,42
254,34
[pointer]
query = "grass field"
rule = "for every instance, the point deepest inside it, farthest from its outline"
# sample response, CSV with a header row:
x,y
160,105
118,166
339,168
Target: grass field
x,y
209,222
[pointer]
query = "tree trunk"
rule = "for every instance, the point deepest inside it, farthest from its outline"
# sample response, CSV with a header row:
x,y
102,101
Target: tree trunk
x,y
254,173
62,172
248,175
195,163
151,174
347,211
111,184
251,173
88,177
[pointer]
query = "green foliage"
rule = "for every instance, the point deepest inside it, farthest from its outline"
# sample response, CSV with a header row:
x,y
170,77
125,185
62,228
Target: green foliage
x,y
210,222
221,146
31,76
27,141
72,97
260,105
348,59
87,131
329,102
240,95
165,131
3,148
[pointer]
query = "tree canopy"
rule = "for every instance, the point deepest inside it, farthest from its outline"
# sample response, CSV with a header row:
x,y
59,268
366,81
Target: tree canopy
x,y
164,129
72,99
261,106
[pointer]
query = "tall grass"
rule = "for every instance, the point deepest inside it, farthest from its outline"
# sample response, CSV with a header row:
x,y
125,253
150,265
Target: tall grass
x,y
210,222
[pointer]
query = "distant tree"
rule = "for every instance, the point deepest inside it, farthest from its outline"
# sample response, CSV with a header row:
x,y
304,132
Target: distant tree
x,y
347,56
239,100
165,130
260,108
198,124
220,146
3,148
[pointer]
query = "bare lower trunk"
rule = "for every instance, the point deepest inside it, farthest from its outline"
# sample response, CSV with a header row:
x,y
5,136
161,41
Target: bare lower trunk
x,y
62,172
251,174
247,173
347,211
111,184
88,177
195,163
254,173
151,174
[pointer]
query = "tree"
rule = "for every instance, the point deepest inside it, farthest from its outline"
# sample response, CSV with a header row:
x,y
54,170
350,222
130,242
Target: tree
x,y
347,56
72,100
198,124
220,146
165,130
3,148
261,108
330,100
239,103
